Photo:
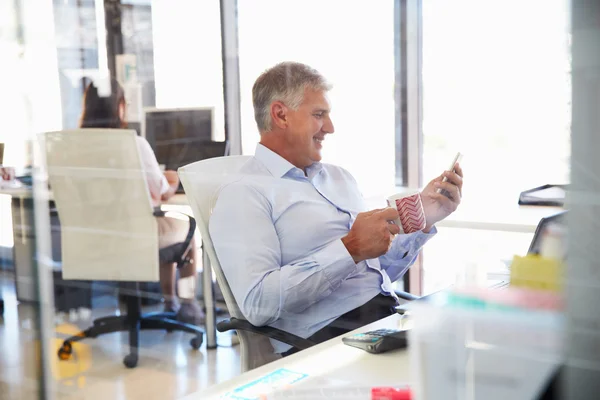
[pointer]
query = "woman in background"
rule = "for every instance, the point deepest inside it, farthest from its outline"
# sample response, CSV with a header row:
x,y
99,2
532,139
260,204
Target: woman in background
x,y
109,112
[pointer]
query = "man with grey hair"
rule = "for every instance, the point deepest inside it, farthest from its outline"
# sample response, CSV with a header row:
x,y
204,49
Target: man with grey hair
x,y
294,239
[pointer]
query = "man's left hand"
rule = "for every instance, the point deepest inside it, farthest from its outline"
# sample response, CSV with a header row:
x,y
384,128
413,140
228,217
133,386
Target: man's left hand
x,y
438,206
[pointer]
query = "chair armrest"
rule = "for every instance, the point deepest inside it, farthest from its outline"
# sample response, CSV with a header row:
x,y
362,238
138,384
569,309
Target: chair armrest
x,y
273,333
159,212
406,296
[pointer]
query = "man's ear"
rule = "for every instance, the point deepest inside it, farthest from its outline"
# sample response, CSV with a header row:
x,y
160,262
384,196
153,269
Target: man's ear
x,y
279,114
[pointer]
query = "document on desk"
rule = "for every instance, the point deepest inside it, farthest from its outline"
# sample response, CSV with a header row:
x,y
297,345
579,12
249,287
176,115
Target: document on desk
x,y
550,195
255,390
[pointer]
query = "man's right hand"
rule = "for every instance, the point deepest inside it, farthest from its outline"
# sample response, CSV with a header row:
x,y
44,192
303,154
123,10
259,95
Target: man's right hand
x,y
371,234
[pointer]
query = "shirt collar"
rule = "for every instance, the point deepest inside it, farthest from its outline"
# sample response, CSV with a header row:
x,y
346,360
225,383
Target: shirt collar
x,y
314,170
279,166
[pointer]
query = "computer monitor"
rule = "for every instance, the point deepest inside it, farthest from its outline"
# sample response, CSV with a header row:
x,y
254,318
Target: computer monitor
x,y
136,126
175,154
177,127
560,219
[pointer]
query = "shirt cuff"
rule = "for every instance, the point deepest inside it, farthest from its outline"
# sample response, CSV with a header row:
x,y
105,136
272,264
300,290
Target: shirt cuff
x,y
336,261
421,237
406,245
427,236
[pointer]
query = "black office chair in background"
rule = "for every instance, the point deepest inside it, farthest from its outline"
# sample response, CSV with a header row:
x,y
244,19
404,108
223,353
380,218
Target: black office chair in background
x,y
108,228
133,320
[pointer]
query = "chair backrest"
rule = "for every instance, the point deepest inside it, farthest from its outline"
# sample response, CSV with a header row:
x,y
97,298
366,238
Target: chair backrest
x,y
201,181
108,230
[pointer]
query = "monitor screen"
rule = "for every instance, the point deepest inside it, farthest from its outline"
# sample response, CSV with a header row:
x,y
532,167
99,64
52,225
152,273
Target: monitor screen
x,y
177,154
179,136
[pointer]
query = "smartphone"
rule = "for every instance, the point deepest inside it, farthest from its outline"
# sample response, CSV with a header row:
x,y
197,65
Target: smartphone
x,y
457,159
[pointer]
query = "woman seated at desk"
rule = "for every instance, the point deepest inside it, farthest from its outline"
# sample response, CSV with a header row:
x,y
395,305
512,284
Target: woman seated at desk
x,y
109,112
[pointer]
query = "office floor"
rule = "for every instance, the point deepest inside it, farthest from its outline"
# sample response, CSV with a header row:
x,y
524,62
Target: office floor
x,y
168,367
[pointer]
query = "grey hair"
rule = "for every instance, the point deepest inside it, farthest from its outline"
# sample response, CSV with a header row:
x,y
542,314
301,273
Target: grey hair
x,y
285,82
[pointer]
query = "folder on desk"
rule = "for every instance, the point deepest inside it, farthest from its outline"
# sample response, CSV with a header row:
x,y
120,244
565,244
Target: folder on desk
x,y
546,195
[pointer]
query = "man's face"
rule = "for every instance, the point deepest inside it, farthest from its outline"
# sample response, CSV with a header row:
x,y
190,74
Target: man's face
x,y
307,128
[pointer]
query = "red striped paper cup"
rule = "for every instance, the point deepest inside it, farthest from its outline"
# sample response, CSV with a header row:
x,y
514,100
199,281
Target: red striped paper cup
x,y
411,217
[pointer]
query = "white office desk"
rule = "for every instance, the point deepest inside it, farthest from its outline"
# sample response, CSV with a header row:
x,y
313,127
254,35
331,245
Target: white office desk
x,y
331,361
23,191
507,218
503,214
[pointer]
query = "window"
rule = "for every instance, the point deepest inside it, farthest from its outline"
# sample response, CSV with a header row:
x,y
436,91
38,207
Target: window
x,y
495,86
352,45
187,56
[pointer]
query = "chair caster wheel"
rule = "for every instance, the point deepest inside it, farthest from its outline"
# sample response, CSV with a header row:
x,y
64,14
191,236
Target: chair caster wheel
x,y
130,360
196,342
65,352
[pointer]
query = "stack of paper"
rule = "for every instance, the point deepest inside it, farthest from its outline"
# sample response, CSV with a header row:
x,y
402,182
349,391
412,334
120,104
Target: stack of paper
x,y
551,195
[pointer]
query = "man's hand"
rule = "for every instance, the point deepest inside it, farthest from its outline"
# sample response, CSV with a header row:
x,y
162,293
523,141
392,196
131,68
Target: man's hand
x,y
371,234
436,205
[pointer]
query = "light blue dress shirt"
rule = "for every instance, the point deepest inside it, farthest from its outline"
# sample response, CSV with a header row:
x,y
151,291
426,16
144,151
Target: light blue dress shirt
x,y
277,233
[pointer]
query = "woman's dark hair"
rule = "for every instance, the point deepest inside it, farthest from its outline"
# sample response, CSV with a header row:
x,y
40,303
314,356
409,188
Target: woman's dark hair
x,y
102,111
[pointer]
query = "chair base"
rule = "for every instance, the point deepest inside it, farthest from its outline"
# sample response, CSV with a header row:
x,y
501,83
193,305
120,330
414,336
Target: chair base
x,y
133,321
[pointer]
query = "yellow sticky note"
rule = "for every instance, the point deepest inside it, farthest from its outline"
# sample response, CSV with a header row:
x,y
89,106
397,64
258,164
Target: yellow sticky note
x,y
536,272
